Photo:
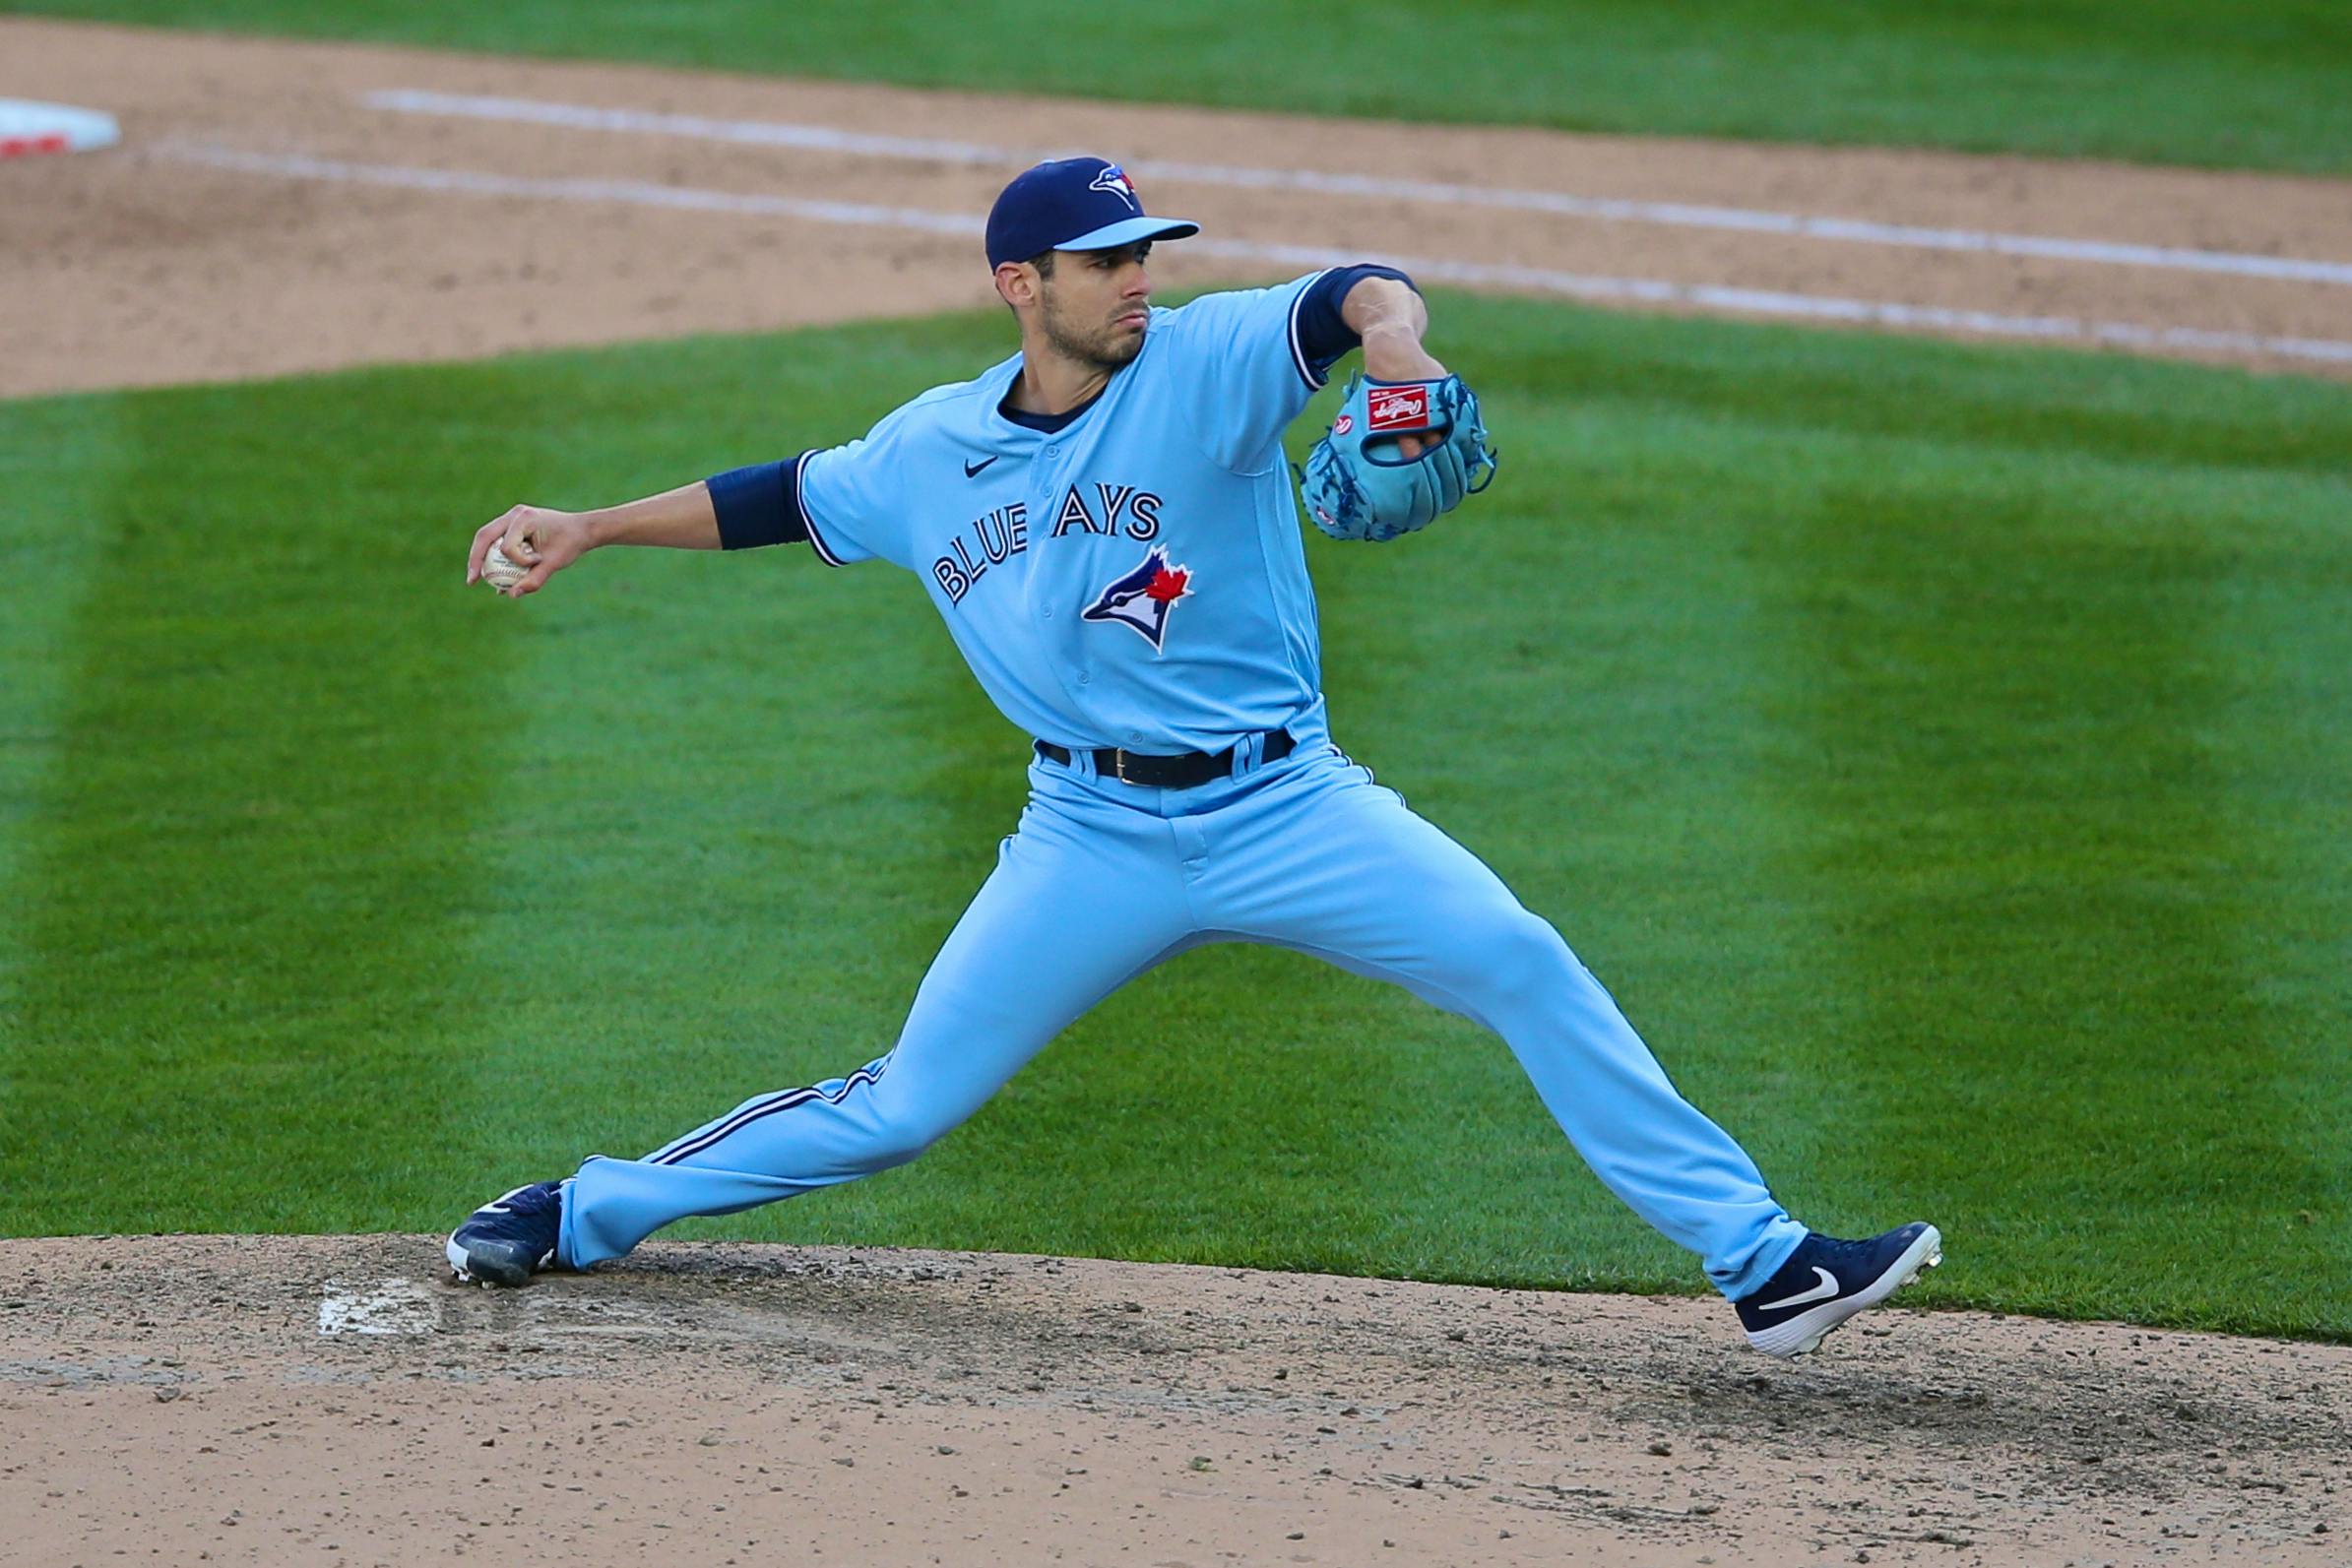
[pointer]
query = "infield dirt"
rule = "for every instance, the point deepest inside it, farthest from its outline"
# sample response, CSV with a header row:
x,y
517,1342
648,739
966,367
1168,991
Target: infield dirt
x,y
278,1400
267,214
710,1403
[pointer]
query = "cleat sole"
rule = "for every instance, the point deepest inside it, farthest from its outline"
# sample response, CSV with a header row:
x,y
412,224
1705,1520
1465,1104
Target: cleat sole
x,y
484,1268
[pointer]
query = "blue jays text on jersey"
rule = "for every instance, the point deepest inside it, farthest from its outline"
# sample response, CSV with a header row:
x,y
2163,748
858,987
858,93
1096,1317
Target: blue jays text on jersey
x,y
1004,534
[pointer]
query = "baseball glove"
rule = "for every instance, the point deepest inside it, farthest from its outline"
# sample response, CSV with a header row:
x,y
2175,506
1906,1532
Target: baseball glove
x,y
1359,485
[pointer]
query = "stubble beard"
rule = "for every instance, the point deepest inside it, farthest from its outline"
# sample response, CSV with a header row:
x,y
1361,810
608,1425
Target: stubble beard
x,y
1105,348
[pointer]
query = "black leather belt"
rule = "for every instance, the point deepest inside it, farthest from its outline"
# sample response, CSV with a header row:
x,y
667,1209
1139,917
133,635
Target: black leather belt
x,y
1171,772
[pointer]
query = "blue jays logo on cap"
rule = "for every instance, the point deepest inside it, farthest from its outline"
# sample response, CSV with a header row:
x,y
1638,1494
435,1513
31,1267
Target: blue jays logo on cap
x,y
1114,179
1073,203
1143,600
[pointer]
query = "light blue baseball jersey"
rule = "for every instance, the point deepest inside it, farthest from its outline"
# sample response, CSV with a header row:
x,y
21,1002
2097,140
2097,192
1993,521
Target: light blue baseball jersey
x,y
1134,578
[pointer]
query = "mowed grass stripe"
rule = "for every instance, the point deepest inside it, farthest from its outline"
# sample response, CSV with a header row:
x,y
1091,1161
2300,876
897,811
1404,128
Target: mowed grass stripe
x,y
53,456
2014,716
2285,754
2053,753
720,850
2070,79
239,1000
2007,699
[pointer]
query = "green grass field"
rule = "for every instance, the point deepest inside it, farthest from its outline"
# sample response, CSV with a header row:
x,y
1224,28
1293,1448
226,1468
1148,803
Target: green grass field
x,y
2257,83
1937,749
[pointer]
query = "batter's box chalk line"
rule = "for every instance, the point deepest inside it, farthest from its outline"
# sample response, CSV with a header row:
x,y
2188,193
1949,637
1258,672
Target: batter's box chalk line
x,y
28,127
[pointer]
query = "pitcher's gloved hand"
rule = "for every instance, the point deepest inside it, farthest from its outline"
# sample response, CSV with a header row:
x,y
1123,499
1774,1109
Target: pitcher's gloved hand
x,y
1358,482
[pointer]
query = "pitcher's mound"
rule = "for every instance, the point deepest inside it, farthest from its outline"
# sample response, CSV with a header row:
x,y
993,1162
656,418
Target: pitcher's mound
x,y
279,1399
28,127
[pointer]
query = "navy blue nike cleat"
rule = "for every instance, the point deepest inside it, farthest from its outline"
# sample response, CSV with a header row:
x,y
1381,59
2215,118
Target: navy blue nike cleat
x,y
509,1240
1827,1280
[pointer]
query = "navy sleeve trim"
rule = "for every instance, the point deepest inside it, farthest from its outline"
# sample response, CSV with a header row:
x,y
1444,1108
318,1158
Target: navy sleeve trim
x,y
816,541
759,505
1307,371
1319,335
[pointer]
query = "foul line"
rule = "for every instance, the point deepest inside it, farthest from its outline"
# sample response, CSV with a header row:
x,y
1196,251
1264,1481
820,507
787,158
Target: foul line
x,y
1578,285
831,139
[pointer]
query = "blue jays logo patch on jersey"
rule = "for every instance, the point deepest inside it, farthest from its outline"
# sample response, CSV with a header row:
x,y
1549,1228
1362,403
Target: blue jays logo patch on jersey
x,y
1143,600
1115,180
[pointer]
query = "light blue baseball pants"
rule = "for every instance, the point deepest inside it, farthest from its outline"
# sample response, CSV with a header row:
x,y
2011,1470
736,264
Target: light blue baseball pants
x,y
1305,852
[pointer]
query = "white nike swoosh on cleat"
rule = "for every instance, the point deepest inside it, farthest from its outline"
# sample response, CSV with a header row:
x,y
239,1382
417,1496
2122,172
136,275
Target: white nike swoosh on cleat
x,y
1819,1292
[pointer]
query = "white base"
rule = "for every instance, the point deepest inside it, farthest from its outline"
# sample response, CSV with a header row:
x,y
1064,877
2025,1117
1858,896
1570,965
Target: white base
x,y
26,127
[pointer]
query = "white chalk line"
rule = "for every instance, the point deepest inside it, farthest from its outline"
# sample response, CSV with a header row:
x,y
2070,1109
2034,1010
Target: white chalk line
x,y
1534,280
638,193
831,139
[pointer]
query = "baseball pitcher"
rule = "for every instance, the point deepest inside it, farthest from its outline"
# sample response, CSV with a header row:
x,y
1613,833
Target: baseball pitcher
x,y
1106,523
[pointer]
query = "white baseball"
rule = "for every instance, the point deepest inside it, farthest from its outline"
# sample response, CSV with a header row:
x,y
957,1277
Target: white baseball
x,y
499,571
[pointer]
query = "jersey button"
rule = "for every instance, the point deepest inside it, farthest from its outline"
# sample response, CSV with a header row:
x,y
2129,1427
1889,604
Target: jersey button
x,y
1084,679
1053,451
1047,612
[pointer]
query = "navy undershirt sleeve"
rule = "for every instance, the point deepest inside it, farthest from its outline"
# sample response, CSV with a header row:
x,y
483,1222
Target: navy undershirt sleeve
x,y
1323,337
759,505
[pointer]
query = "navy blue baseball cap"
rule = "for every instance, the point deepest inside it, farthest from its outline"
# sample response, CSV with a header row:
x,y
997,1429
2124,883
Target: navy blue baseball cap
x,y
1072,203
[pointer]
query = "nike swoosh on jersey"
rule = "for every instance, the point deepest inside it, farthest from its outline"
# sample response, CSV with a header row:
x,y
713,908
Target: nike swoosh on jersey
x,y
1819,1292
973,469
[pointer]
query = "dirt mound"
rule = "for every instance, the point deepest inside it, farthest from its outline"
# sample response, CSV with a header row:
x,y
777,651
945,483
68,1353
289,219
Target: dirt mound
x,y
275,1399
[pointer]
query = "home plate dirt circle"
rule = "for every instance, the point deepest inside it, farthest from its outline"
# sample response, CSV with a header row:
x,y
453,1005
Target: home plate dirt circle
x,y
274,1398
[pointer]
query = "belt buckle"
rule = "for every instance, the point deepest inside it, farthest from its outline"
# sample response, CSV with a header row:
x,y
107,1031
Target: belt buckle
x,y
1119,765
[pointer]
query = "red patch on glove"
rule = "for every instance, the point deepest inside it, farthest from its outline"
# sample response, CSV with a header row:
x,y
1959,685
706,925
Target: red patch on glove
x,y
1399,407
